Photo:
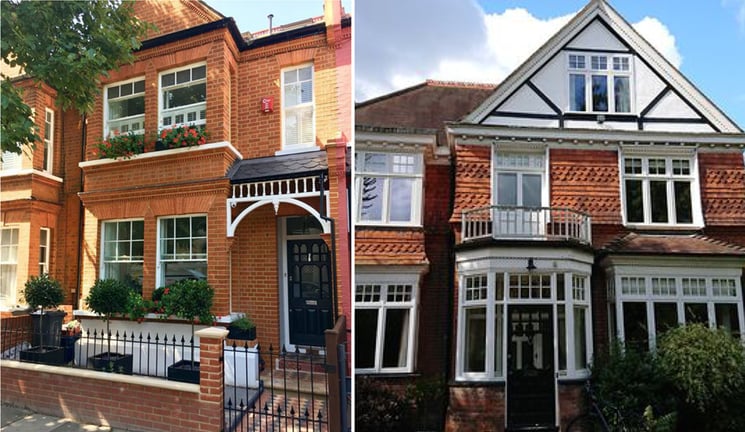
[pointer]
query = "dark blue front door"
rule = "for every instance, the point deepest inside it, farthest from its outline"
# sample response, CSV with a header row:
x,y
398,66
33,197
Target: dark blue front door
x,y
310,291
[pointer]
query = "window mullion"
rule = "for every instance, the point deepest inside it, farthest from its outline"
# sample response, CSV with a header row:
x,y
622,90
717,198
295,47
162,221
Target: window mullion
x,y
380,340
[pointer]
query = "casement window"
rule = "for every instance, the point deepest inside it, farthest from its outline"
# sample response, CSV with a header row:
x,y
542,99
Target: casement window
x,y
599,82
48,140
8,265
385,323
519,193
298,108
123,244
183,97
492,323
647,305
182,244
124,107
44,247
389,188
661,190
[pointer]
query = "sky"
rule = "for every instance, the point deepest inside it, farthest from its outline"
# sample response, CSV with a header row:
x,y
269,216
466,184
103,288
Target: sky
x,y
400,43
251,15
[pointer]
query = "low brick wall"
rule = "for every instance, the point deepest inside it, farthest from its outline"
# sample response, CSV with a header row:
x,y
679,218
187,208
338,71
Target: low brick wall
x,y
130,402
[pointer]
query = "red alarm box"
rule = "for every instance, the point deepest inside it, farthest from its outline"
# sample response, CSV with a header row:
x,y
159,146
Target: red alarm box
x,y
267,104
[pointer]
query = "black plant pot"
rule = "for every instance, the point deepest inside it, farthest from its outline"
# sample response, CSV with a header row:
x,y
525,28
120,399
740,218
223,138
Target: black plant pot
x,y
239,333
161,145
112,362
68,345
44,354
183,371
47,328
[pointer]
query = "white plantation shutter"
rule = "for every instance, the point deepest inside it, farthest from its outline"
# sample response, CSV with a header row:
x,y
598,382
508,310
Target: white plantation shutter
x,y
298,106
10,161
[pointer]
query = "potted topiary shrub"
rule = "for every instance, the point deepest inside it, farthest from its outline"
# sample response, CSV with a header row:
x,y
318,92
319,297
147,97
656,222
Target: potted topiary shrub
x,y
243,329
191,300
45,293
109,297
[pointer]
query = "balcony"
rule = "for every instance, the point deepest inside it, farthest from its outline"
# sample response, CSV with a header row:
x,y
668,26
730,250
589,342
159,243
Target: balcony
x,y
526,223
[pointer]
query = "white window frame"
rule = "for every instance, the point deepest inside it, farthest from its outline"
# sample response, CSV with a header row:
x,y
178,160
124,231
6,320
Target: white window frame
x,y
108,130
44,250
385,281
104,261
200,115
491,302
610,73
11,297
520,162
160,268
417,192
649,298
669,177
297,108
48,160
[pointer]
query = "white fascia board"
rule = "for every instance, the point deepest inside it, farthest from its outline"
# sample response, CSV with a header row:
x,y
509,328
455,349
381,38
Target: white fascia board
x,y
478,134
364,271
393,139
704,266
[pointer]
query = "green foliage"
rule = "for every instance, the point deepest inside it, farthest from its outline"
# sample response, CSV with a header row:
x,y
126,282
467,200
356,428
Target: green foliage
x,y
706,368
108,297
189,299
665,423
429,396
183,136
67,44
631,381
126,145
379,409
43,291
243,323
137,307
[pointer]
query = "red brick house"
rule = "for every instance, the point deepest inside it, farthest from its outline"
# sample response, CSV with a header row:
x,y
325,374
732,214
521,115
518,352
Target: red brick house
x,y
258,208
596,194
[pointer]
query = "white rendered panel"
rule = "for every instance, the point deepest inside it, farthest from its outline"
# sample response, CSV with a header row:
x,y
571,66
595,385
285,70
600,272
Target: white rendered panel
x,y
516,121
596,36
678,127
647,85
526,100
672,106
552,80
607,125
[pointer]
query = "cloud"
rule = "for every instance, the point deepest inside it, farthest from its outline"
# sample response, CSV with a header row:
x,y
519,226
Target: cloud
x,y
402,43
739,7
660,37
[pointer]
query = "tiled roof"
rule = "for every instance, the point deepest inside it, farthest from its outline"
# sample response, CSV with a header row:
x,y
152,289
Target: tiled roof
x,y
694,244
389,247
424,106
472,179
279,167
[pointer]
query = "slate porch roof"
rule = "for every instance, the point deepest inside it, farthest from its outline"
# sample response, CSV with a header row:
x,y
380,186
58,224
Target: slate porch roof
x,y
279,167
389,247
659,244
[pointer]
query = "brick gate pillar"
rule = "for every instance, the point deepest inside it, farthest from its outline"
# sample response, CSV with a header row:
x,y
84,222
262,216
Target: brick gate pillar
x,y
211,379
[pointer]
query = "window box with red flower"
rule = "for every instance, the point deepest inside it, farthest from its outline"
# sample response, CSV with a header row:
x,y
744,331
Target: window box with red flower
x,y
181,136
126,146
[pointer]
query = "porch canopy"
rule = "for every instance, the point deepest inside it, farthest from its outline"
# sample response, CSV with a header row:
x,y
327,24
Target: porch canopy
x,y
279,179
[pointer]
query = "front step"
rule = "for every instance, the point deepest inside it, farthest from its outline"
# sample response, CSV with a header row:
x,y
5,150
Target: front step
x,y
533,429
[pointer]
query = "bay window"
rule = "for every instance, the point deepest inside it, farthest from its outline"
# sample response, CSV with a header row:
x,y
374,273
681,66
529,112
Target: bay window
x,y
298,107
385,323
8,265
182,244
123,246
124,107
389,188
599,83
183,95
661,190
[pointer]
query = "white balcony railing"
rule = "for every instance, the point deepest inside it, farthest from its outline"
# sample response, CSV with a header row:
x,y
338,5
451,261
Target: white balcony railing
x,y
510,222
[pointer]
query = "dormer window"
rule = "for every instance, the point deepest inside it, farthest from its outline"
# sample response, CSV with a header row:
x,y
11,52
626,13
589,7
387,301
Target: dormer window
x,y
599,83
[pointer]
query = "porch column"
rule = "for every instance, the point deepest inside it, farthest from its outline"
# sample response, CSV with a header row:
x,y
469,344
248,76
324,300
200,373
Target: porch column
x,y
211,376
336,150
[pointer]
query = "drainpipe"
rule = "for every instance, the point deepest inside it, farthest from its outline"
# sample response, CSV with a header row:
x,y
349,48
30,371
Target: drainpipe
x,y
322,205
84,132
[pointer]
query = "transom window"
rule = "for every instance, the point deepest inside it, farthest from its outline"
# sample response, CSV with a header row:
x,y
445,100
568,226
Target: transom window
x,y
123,245
183,96
660,190
599,82
8,265
389,188
647,306
125,107
48,140
298,107
182,248
385,320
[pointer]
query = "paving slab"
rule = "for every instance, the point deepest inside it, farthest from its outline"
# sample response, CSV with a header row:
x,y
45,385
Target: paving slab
x,y
10,414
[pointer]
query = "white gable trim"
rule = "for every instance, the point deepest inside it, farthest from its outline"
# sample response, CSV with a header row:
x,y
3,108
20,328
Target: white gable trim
x,y
599,9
